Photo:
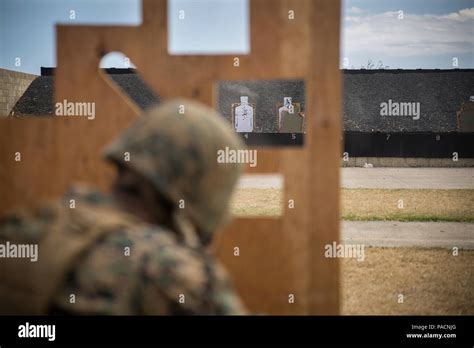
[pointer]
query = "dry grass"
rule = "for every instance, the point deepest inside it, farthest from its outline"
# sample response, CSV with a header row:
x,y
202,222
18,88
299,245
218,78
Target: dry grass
x,y
257,202
418,205
372,204
433,281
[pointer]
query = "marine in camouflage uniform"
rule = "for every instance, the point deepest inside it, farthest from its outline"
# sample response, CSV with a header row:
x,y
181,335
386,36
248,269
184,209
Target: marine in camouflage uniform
x,y
143,249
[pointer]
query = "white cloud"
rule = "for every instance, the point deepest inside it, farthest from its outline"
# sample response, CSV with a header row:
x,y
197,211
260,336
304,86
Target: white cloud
x,y
463,15
414,35
356,10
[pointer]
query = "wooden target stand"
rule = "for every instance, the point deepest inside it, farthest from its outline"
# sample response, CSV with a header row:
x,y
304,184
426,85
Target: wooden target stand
x,y
281,268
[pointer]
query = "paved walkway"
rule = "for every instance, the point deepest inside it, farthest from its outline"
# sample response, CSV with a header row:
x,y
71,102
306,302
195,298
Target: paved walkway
x,y
408,178
389,178
399,234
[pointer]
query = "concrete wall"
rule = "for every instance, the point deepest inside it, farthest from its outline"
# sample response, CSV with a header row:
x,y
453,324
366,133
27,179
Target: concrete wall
x,y
12,86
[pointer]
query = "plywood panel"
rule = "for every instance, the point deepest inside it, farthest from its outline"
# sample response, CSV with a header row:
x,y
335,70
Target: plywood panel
x,y
278,257
324,147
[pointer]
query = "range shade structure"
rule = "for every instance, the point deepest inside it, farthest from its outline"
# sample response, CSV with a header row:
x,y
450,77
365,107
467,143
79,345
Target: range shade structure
x,y
281,268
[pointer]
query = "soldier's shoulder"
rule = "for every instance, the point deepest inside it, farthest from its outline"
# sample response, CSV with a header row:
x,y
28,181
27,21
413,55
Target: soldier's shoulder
x,y
108,278
191,281
85,193
31,224
145,269
28,225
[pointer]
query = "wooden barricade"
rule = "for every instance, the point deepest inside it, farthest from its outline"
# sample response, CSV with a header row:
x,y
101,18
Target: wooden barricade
x,y
281,268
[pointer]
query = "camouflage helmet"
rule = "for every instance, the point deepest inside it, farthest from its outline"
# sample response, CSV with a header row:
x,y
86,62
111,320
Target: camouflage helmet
x,y
175,146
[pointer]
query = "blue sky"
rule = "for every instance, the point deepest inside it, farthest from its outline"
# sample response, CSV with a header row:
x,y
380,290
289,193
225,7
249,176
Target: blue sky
x,y
426,34
409,33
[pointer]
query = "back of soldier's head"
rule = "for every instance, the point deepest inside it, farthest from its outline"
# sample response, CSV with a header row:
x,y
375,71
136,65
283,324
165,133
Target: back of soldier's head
x,y
174,146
